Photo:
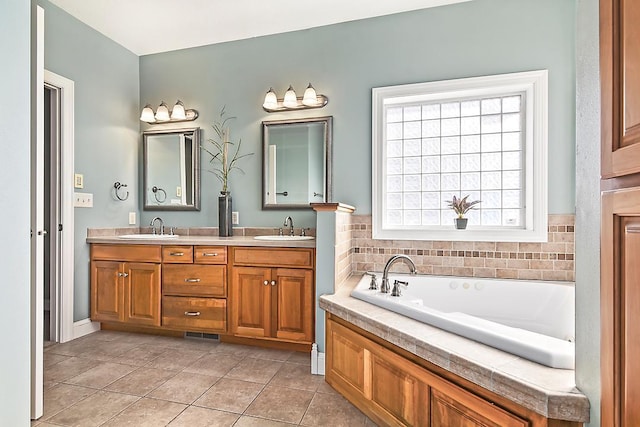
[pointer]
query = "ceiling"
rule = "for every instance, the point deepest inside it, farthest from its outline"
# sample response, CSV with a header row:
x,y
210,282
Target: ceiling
x,y
152,26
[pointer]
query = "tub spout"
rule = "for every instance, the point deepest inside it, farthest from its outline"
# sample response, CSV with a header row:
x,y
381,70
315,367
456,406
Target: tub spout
x,y
384,287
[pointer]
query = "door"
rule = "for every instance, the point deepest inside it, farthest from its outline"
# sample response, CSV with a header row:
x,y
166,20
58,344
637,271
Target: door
x,y
251,301
141,293
294,310
107,293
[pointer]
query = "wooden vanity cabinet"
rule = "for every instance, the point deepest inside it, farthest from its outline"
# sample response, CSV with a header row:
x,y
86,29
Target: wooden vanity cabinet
x,y
125,284
272,293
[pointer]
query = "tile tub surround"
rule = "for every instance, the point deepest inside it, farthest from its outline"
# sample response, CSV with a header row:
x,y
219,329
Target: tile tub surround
x,y
117,379
549,392
553,260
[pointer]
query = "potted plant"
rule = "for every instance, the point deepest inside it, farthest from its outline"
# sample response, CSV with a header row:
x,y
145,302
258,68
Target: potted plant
x,y
224,156
460,206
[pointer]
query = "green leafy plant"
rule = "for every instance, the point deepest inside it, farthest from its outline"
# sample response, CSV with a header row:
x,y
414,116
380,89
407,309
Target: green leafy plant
x,y
460,205
224,153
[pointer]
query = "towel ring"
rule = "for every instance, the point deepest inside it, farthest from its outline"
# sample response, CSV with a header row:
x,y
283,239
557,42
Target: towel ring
x,y
117,186
157,190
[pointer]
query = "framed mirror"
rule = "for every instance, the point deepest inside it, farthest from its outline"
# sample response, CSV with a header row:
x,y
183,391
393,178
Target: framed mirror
x,y
171,164
296,162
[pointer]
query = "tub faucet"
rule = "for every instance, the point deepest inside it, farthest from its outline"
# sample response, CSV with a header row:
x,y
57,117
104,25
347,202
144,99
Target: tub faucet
x,y
384,287
289,221
152,224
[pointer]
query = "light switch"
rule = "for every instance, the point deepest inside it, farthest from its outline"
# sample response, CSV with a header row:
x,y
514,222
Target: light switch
x,y
83,200
132,218
235,218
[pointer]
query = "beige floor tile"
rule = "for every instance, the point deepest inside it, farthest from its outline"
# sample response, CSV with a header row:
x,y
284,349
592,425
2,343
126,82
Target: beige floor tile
x,y
61,397
94,410
235,349
185,387
230,395
280,404
300,358
296,376
246,421
255,370
214,364
107,350
147,413
45,424
203,417
72,348
140,355
324,387
101,376
51,359
141,381
68,369
332,410
175,359
270,354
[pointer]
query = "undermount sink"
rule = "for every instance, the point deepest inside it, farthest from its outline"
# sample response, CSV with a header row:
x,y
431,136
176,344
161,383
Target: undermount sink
x,y
148,236
284,238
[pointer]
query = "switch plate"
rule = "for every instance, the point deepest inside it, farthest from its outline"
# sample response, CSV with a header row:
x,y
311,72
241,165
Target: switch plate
x,y
83,200
235,218
178,191
78,180
132,218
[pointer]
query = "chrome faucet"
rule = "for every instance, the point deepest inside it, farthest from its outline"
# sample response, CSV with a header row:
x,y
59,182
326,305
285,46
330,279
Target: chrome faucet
x,y
384,287
152,224
289,220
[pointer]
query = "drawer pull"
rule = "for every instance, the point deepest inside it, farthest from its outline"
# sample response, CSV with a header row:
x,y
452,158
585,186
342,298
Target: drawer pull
x,y
193,280
123,274
266,282
273,283
177,253
208,254
192,313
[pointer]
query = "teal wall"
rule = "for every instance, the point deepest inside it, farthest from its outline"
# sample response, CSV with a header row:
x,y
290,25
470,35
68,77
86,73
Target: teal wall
x,y
15,143
344,62
107,128
588,206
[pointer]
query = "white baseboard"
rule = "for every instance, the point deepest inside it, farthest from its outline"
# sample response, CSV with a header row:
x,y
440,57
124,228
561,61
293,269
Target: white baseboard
x,y
84,327
317,361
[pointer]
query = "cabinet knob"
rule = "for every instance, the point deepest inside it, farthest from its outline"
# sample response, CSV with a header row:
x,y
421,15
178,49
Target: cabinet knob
x,y
192,280
192,313
266,282
177,254
123,274
273,283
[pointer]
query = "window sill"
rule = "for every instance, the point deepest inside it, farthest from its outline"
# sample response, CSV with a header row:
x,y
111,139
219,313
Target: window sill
x,y
468,235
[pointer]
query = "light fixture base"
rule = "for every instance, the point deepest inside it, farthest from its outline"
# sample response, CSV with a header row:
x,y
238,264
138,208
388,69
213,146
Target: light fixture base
x,y
322,101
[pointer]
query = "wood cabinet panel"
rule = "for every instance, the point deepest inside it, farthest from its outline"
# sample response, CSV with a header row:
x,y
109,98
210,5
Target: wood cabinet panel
x,y
142,293
346,358
107,294
197,314
194,280
177,254
251,301
273,257
294,310
131,253
620,86
210,254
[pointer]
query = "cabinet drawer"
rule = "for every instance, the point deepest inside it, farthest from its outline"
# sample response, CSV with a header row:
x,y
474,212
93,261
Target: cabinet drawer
x,y
177,254
196,280
210,254
281,257
132,253
204,314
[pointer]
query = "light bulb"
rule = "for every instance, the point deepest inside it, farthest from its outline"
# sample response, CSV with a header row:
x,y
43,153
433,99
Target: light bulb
x,y
290,99
178,111
270,100
162,114
147,114
310,98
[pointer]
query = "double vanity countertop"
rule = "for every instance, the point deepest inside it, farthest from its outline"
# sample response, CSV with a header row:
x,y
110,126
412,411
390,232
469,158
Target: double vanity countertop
x,y
198,237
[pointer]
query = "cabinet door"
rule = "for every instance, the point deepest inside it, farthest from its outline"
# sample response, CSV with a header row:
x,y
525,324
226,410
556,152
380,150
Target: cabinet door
x,y
347,360
107,295
251,302
294,307
620,86
142,293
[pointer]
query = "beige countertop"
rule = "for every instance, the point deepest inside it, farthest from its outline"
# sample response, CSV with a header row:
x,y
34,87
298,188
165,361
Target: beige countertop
x,y
549,392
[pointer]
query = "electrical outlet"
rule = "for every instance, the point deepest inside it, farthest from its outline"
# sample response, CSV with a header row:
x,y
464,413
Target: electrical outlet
x,y
78,180
178,191
83,200
235,218
132,218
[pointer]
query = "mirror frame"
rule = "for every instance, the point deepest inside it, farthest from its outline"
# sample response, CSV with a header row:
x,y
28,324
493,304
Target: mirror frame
x,y
328,131
195,164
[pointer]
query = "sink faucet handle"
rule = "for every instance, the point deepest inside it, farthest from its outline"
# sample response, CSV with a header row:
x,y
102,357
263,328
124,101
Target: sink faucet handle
x,y
396,287
172,230
280,232
374,283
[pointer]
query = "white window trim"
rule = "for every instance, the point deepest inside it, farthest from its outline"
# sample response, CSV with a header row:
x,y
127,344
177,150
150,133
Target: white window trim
x,y
535,85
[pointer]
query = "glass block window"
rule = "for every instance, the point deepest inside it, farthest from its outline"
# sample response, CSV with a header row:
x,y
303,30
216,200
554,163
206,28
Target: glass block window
x,y
482,137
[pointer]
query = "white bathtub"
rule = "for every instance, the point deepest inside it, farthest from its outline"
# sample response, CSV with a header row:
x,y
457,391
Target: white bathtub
x,y
531,319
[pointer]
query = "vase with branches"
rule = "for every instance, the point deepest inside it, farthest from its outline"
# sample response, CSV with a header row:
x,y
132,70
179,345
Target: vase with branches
x,y
225,155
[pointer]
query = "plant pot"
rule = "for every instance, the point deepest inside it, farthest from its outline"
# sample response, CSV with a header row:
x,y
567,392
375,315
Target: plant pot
x,y
225,226
461,223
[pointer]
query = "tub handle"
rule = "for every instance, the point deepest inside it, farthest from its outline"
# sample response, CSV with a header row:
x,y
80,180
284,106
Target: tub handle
x,y
374,284
395,292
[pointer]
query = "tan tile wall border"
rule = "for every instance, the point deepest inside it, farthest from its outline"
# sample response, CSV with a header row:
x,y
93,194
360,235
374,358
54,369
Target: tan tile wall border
x,y
344,250
553,260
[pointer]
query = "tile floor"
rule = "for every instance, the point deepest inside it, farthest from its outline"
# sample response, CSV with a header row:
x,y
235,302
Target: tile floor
x,y
121,379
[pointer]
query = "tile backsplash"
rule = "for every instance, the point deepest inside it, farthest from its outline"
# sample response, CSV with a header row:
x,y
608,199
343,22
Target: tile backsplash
x,y
553,260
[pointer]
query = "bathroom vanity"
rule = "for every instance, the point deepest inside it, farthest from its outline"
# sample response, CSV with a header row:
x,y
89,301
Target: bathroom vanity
x,y
245,290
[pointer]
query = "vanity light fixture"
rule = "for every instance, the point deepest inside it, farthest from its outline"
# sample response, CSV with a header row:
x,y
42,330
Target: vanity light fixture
x,y
292,102
163,115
